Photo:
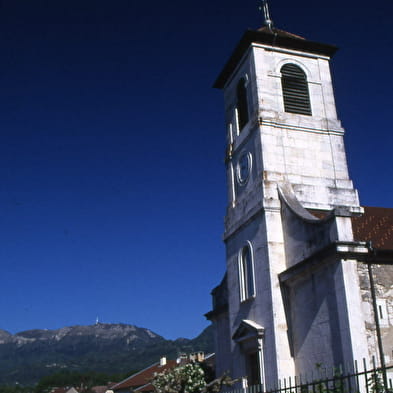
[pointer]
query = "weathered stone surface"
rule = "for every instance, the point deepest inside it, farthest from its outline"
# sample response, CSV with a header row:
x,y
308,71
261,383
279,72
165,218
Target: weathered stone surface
x,y
313,304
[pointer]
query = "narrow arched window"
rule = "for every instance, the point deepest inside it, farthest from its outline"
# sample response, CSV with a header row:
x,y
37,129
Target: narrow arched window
x,y
295,90
246,273
242,104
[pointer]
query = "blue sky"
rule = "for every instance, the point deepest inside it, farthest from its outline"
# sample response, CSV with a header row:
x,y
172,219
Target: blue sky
x,y
112,181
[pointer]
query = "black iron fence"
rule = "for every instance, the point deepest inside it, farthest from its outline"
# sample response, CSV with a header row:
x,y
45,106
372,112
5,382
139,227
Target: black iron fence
x,y
365,379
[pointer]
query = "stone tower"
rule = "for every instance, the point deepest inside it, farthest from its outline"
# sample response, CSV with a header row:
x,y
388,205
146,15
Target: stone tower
x,y
290,298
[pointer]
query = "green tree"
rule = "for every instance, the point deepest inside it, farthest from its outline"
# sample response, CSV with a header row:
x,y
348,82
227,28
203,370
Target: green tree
x,y
15,389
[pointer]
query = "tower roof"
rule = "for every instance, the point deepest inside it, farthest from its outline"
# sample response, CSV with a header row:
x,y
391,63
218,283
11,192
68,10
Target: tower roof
x,y
278,32
273,37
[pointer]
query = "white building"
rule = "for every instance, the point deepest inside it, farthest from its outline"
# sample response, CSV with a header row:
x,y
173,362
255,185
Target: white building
x,y
297,291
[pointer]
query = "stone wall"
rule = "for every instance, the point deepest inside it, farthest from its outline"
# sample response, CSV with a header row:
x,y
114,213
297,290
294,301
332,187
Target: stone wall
x,y
383,283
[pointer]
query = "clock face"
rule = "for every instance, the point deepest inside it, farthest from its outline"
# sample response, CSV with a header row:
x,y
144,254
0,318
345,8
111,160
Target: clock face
x,y
244,168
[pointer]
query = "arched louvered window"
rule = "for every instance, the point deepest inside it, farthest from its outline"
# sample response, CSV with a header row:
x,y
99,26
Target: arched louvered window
x,y
295,90
242,104
246,273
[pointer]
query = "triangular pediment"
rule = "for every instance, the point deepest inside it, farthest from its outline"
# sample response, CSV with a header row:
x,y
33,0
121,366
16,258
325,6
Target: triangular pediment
x,y
248,330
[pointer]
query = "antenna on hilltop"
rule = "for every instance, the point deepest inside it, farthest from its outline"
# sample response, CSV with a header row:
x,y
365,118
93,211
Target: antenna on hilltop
x,y
97,321
266,14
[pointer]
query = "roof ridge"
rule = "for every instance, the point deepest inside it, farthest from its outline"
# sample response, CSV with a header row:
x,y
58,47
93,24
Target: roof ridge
x,y
133,375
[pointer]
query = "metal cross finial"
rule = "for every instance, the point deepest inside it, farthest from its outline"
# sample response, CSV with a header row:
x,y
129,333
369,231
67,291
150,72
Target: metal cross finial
x,y
266,14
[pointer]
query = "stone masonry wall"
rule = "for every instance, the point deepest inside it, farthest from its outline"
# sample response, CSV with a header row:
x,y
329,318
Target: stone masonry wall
x,y
383,282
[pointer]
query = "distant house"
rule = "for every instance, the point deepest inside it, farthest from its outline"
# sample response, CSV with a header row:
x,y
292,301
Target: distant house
x,y
64,390
95,389
140,381
103,388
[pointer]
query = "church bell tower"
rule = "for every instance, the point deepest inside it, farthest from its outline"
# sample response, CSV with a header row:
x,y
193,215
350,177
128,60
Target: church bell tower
x,y
291,284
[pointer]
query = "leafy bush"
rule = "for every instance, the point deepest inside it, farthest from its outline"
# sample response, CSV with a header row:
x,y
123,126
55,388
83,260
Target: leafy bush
x,y
189,378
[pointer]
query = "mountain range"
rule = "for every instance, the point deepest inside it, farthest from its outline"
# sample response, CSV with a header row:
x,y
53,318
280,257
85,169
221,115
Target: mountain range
x,y
27,356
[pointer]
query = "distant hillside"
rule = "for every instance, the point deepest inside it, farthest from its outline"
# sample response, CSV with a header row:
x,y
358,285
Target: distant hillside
x,y
111,348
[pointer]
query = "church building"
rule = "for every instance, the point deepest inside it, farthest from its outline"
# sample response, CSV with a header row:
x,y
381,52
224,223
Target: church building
x,y
308,278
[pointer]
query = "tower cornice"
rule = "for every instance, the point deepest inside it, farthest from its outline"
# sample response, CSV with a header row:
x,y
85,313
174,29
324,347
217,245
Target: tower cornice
x,y
332,129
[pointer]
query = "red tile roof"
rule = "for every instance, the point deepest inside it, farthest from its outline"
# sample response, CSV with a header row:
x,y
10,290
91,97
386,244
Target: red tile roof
x,y
376,226
102,388
143,378
145,388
